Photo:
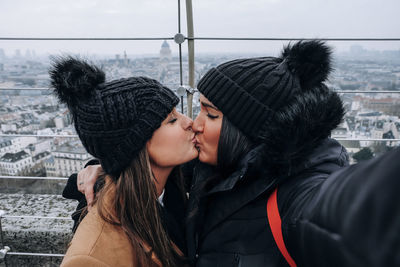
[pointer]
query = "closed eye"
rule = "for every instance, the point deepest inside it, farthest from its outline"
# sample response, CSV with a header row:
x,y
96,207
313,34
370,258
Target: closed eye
x,y
212,116
172,120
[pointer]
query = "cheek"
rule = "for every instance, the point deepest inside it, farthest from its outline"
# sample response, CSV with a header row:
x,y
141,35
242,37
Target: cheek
x,y
211,137
171,147
162,144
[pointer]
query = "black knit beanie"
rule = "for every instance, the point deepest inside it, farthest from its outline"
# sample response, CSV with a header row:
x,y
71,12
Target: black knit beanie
x,y
280,103
115,119
249,91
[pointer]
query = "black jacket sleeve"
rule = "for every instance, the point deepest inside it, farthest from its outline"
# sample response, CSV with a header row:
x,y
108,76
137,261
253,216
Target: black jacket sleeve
x,y
353,219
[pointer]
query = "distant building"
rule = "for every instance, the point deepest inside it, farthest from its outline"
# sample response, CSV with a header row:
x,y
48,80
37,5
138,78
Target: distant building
x,y
15,144
17,53
50,167
66,159
10,127
59,122
351,123
38,163
63,119
15,163
165,53
126,60
383,127
41,146
386,105
6,146
2,54
339,132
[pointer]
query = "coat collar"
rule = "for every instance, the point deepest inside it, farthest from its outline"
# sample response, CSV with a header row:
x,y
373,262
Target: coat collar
x,y
249,165
222,208
245,184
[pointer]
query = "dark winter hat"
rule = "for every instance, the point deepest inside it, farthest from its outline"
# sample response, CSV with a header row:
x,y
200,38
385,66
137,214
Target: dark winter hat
x,y
280,101
248,91
115,119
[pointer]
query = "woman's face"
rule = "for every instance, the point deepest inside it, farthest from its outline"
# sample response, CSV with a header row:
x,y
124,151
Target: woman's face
x,y
207,127
173,143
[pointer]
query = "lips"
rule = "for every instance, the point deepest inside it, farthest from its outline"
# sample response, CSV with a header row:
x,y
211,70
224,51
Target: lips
x,y
193,139
196,140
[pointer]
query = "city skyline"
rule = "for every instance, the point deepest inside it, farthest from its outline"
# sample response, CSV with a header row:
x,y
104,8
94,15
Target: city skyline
x,y
223,18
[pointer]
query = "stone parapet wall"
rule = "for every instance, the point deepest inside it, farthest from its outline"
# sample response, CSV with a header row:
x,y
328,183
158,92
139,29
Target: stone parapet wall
x,y
35,235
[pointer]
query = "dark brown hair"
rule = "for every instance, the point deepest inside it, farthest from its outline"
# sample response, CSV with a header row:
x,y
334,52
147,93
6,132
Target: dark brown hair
x,y
130,202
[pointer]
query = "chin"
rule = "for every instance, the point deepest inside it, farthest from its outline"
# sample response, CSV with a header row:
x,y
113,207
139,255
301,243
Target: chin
x,y
194,155
191,156
203,158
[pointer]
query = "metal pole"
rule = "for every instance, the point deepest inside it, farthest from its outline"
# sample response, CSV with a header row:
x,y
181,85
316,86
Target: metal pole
x,y
84,39
35,254
294,39
180,52
2,212
189,18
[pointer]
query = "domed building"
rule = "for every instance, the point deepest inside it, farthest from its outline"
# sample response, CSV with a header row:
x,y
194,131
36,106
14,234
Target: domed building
x,y
165,53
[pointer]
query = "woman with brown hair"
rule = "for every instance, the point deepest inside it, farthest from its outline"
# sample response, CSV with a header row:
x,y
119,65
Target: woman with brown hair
x,y
132,128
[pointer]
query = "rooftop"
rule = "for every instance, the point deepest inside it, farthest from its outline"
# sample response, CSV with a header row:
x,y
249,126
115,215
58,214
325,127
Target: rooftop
x,y
14,157
4,143
73,147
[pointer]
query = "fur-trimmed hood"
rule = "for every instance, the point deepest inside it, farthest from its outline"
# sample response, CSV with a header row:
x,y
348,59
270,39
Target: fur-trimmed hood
x,y
299,127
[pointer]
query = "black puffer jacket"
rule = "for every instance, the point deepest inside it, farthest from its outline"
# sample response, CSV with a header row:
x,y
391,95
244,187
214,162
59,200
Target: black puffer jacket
x,y
353,218
332,215
229,226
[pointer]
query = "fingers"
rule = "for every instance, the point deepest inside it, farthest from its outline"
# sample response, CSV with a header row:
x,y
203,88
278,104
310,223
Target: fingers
x,y
86,180
80,181
89,195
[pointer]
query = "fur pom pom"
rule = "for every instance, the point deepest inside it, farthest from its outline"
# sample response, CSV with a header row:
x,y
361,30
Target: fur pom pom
x,y
310,61
74,79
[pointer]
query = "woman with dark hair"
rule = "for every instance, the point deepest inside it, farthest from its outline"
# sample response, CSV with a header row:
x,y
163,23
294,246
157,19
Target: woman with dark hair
x,y
272,188
270,127
131,126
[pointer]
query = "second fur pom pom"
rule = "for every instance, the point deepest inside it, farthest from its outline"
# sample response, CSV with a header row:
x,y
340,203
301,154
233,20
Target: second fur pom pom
x,y
310,61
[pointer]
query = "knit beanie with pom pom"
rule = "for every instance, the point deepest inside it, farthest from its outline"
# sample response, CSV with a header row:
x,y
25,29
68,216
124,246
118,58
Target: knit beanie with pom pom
x,y
281,102
115,119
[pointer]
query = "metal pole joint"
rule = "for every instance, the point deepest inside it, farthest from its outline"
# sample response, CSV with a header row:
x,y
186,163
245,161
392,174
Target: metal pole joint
x,y
191,90
179,38
3,252
182,90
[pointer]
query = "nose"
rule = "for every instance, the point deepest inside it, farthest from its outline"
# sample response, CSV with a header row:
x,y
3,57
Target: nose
x,y
186,122
198,125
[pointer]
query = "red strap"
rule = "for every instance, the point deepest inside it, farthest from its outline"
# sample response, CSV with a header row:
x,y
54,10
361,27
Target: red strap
x,y
275,223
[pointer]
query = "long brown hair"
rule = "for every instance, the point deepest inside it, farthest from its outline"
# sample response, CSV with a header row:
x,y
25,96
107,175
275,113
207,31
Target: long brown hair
x,y
134,208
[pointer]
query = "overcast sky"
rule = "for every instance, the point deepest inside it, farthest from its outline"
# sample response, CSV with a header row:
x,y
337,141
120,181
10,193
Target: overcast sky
x,y
212,18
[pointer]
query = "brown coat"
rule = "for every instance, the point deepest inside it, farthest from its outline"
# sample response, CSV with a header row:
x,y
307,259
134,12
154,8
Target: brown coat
x,y
98,243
